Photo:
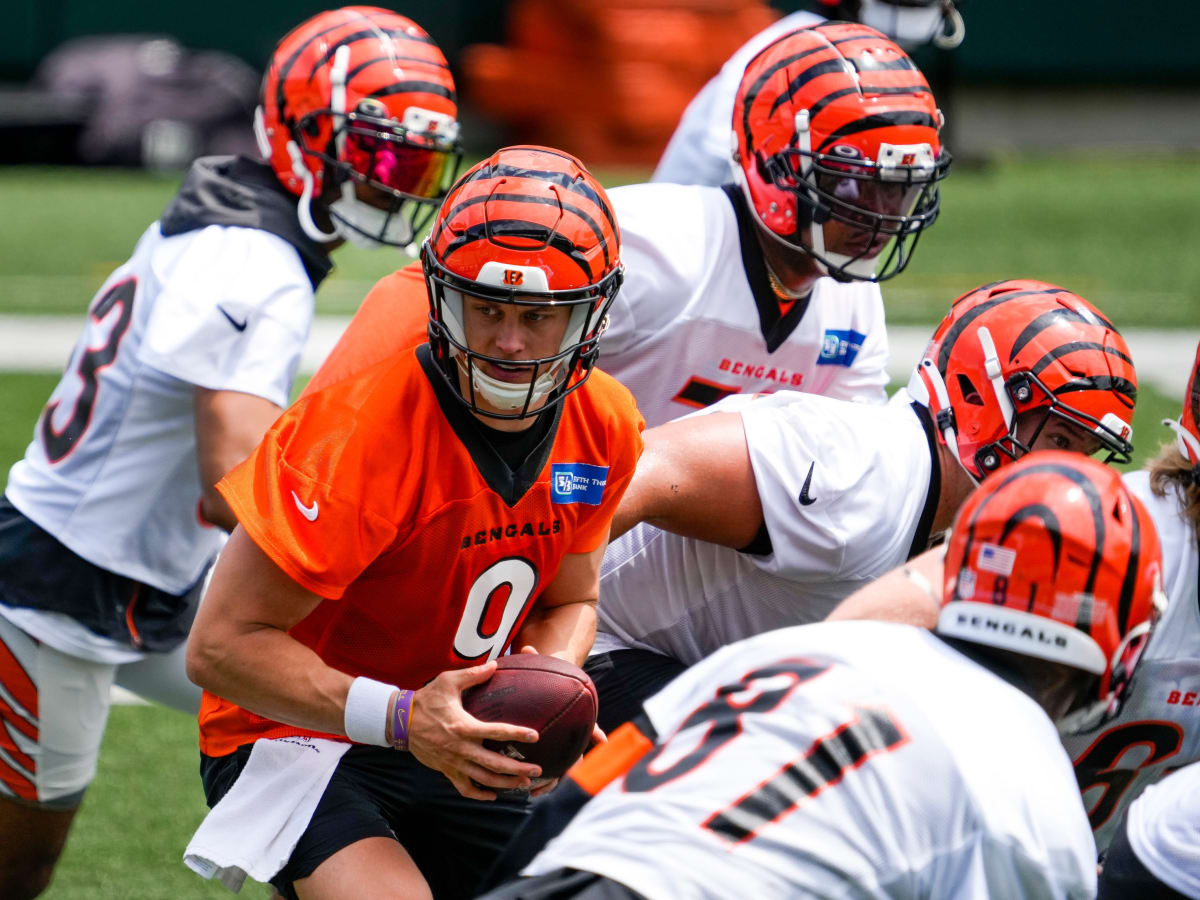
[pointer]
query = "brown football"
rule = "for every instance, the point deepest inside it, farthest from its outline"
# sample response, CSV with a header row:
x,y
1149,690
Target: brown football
x,y
548,694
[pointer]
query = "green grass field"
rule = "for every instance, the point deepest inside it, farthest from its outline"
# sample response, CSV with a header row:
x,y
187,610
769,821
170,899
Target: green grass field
x,y
1119,231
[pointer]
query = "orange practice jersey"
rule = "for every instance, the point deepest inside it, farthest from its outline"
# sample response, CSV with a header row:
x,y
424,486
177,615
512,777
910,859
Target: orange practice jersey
x,y
393,317
368,494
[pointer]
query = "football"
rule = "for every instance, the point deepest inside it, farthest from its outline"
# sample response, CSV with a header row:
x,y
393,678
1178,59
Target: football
x,y
545,693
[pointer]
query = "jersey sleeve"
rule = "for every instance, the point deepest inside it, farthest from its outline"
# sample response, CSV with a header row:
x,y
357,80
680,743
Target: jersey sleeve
x,y
626,441
823,474
306,504
233,312
393,317
865,380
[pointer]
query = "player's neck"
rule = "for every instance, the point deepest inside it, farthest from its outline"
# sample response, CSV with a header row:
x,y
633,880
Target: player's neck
x,y
956,487
792,272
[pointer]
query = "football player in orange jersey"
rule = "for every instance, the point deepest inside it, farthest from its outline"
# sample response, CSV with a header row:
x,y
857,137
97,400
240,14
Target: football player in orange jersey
x,y
400,529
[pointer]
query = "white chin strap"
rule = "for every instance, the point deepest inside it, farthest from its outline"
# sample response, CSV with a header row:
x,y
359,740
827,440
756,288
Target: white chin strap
x,y
509,396
919,391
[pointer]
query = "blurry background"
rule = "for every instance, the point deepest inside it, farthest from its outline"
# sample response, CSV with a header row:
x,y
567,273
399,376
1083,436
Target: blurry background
x,y
1075,126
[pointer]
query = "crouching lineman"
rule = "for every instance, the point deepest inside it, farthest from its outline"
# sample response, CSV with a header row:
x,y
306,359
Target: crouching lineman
x,y
875,759
398,531
769,511
1156,730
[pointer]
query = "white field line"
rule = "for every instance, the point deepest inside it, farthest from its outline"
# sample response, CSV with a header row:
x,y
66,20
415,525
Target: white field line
x,y
43,343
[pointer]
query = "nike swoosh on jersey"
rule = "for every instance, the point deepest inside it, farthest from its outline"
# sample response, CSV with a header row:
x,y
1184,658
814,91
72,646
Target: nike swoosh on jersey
x,y
309,512
240,326
806,500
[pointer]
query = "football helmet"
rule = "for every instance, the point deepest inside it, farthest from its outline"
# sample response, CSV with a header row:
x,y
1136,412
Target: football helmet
x,y
1015,346
1187,428
528,226
836,146
910,23
360,96
1054,558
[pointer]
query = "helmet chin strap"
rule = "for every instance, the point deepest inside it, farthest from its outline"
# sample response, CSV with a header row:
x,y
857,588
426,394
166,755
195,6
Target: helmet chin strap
x,y
918,390
304,205
507,396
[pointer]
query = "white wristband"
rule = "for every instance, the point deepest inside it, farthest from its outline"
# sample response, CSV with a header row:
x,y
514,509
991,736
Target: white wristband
x,y
368,706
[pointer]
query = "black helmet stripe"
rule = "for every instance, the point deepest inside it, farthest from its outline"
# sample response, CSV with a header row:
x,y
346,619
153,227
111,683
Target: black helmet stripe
x,y
1194,399
525,198
1074,347
1051,317
871,64
365,34
753,90
970,316
520,228
816,108
880,120
1049,520
825,67
1081,479
562,179
1132,567
979,290
286,68
414,87
378,59
1109,383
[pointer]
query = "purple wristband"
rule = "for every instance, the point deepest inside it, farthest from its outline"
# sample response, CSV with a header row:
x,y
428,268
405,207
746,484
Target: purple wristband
x,y
401,719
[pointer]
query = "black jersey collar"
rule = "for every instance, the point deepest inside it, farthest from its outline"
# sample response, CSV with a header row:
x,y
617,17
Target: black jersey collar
x,y
775,328
511,484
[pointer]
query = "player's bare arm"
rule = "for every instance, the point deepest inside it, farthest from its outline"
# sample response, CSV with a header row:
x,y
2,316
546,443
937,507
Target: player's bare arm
x,y
229,425
694,478
910,594
562,622
244,620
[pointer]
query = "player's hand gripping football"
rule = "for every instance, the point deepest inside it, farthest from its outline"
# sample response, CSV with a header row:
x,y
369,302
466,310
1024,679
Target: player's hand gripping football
x,y
443,736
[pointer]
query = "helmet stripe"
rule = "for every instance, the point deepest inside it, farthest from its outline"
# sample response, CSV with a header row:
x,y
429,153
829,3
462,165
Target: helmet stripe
x,y
1109,383
1045,515
1132,568
752,92
415,87
378,59
1073,347
880,120
1049,318
453,211
563,179
952,334
366,34
815,109
521,228
1079,478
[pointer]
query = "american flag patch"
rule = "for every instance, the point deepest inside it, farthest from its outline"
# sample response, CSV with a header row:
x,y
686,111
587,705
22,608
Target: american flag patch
x,y
993,558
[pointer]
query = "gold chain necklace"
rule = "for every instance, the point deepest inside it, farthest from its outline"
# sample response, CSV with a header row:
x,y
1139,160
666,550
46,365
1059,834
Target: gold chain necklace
x,y
777,286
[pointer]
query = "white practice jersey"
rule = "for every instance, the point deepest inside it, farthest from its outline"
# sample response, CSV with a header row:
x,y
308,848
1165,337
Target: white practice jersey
x,y
112,472
842,759
847,495
1158,728
696,319
699,151
1164,830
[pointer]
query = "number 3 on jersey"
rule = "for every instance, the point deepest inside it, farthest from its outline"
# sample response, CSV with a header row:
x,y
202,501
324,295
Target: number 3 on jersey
x,y
520,578
59,442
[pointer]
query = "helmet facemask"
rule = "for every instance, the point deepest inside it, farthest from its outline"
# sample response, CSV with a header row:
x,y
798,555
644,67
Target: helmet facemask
x,y
551,377
883,204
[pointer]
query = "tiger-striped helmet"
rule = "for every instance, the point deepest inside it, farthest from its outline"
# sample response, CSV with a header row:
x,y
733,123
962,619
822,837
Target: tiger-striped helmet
x,y
528,226
361,96
1017,346
835,139
1054,558
1187,429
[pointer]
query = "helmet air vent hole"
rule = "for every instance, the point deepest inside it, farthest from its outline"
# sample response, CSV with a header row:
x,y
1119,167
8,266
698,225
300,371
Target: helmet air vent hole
x,y
969,393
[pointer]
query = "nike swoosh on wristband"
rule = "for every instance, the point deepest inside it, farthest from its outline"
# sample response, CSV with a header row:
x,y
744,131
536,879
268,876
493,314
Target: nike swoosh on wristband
x,y
240,326
805,500
309,512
